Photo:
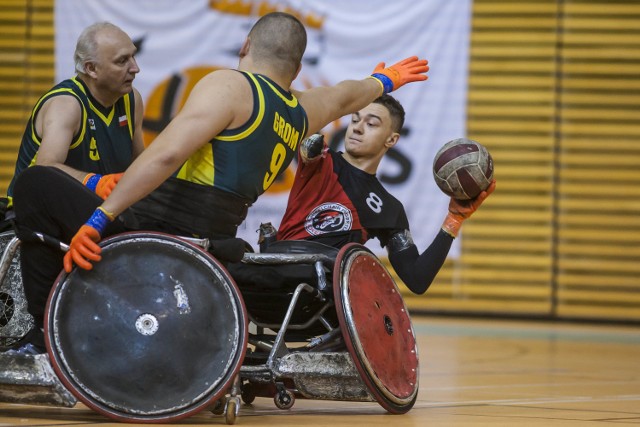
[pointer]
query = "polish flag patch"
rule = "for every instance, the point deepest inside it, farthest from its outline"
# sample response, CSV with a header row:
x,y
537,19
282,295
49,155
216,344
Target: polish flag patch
x,y
122,121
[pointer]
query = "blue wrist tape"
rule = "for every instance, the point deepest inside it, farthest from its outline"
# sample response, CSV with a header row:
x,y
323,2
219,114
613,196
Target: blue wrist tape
x,y
387,84
92,182
99,220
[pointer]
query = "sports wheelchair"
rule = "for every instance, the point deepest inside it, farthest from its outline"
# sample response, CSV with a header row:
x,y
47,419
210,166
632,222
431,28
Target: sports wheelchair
x,y
160,330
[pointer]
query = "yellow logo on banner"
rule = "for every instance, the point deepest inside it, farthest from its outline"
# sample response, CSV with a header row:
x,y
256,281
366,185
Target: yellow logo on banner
x,y
249,8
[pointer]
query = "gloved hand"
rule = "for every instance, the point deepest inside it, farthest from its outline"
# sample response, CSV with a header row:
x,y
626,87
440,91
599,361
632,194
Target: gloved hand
x,y
102,185
459,210
84,245
406,71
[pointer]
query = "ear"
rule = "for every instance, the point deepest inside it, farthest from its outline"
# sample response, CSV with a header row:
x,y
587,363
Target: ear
x,y
90,69
244,50
392,140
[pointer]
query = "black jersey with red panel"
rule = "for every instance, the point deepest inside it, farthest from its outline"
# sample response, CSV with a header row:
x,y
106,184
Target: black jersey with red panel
x,y
334,202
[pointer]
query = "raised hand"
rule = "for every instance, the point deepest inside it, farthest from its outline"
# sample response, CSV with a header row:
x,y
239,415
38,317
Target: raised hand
x,y
408,70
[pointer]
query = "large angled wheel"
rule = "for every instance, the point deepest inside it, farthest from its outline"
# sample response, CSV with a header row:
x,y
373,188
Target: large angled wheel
x,y
154,333
377,328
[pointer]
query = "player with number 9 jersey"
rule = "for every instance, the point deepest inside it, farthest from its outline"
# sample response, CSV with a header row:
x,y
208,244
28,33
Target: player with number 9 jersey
x,y
211,193
269,138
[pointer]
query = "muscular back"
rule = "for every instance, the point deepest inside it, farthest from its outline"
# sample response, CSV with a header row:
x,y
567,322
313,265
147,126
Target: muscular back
x,y
245,159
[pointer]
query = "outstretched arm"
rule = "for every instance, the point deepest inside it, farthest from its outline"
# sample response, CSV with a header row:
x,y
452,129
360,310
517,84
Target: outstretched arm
x,y
325,104
416,270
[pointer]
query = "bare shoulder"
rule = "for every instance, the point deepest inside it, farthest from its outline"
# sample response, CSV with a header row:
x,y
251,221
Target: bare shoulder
x,y
62,107
66,101
224,85
224,93
219,79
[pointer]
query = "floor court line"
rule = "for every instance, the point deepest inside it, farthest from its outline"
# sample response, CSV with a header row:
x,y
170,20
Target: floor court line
x,y
473,372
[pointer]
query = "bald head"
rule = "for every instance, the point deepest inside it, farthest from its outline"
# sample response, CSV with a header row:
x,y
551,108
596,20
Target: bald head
x,y
88,43
278,39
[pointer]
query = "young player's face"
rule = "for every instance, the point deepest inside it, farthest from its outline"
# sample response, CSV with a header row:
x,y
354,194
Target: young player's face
x,y
369,131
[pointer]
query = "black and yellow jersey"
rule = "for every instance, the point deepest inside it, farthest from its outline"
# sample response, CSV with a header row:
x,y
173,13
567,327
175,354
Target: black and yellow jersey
x,y
104,143
245,161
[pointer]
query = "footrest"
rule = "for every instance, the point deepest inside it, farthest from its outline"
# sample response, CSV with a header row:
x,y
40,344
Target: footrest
x,y
324,376
30,380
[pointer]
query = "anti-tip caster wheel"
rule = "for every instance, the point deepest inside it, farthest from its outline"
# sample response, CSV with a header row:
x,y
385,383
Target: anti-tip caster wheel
x,y
232,409
284,399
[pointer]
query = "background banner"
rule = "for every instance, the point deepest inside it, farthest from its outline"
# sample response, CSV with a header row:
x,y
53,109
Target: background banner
x,y
181,40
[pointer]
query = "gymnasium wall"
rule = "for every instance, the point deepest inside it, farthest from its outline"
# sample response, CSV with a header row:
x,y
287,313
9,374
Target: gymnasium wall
x,y
554,93
26,71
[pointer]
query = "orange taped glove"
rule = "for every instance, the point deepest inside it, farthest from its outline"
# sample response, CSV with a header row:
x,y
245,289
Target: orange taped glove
x,y
406,71
459,210
83,247
102,185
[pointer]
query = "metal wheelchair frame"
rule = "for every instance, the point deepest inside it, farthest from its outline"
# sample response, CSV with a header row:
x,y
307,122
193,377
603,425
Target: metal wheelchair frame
x,y
318,367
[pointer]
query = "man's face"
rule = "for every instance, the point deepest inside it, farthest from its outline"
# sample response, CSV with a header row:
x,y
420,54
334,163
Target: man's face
x,y
369,131
116,66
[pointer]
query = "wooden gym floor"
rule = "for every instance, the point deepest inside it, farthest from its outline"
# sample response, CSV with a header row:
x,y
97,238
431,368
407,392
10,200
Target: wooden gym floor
x,y
473,373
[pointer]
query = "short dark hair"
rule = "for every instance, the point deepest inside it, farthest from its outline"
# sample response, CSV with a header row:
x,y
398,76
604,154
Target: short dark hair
x,y
280,39
396,111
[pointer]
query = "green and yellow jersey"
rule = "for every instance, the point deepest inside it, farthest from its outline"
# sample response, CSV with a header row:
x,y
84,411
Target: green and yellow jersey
x,y
104,142
245,161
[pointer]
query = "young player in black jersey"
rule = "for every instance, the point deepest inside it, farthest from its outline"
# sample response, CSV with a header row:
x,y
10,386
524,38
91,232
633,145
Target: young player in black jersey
x,y
336,197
